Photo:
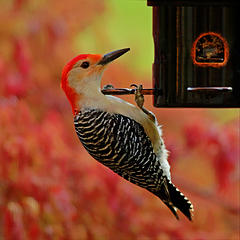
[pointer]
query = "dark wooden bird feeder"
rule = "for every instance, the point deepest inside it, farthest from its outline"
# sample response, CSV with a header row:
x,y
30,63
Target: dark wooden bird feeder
x,y
197,53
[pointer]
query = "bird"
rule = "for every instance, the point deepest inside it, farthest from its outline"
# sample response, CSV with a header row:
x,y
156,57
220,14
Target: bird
x,y
123,137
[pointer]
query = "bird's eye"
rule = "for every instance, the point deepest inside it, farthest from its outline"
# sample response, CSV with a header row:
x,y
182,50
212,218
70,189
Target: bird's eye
x,y
85,65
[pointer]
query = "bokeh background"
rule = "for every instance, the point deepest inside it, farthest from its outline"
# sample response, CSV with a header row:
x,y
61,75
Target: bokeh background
x,y
50,188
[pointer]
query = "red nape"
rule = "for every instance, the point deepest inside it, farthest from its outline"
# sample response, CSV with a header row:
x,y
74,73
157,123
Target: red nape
x,y
71,94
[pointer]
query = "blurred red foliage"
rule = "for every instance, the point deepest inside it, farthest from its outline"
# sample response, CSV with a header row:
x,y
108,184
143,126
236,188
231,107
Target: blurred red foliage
x,y
220,145
50,188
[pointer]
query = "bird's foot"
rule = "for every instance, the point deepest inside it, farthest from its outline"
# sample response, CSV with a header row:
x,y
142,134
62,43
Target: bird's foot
x,y
139,99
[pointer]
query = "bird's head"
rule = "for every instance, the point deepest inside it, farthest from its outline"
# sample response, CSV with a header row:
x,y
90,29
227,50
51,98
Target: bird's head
x,y
82,75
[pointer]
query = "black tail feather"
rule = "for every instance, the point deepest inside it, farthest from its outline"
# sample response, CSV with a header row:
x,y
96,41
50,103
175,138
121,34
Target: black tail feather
x,y
174,199
173,210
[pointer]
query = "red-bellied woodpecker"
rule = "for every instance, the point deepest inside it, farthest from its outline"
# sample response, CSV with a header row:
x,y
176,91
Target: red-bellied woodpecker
x,y
123,137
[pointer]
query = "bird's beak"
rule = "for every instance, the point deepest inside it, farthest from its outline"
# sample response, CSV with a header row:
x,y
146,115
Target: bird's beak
x,y
109,57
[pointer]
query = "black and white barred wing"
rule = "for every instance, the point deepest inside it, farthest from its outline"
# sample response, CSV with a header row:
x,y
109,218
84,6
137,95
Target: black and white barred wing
x,y
121,144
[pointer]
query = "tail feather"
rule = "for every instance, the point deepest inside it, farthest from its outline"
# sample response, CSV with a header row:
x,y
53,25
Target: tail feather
x,y
174,199
173,209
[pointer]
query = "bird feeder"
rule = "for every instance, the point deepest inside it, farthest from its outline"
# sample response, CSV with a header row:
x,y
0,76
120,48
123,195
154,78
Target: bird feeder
x,y
197,53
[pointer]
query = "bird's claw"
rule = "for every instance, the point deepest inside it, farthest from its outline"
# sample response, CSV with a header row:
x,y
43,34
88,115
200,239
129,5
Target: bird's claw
x,y
139,99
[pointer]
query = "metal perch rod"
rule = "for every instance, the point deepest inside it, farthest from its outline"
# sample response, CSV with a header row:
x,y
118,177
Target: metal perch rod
x,y
127,91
